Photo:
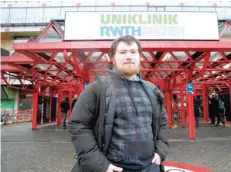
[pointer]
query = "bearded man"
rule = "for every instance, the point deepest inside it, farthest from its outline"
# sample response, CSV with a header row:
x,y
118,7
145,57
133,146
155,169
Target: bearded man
x,y
118,122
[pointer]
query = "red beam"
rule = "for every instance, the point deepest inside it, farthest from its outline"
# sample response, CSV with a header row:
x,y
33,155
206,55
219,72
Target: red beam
x,y
9,68
105,45
37,59
16,59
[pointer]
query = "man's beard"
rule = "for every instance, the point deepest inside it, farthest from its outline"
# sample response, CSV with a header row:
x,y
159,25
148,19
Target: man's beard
x,y
129,71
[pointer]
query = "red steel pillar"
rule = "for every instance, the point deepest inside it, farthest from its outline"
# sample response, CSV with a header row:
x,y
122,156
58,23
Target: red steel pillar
x,y
190,105
59,115
35,108
191,118
205,105
168,96
50,99
182,109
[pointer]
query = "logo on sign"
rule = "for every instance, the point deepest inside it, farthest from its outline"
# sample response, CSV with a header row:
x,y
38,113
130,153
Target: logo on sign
x,y
116,25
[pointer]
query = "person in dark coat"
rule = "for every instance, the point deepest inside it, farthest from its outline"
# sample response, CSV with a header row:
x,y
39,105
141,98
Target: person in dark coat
x,y
210,108
197,111
65,106
119,121
221,114
214,107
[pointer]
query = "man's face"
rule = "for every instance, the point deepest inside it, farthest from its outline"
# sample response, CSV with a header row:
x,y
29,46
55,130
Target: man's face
x,y
127,59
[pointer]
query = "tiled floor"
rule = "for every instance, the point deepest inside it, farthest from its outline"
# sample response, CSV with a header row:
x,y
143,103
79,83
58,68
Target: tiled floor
x,y
49,149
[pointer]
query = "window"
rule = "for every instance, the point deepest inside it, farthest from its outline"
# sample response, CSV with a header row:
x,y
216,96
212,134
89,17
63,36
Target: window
x,y
25,105
103,8
5,14
121,9
190,8
160,8
25,96
207,9
18,15
173,8
25,101
34,15
151,8
86,8
52,13
144,8
64,9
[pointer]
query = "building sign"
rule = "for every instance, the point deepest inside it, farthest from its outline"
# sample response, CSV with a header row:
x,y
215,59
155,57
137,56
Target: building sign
x,y
190,88
142,25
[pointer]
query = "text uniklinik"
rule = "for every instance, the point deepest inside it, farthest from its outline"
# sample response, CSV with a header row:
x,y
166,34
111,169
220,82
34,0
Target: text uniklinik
x,y
138,19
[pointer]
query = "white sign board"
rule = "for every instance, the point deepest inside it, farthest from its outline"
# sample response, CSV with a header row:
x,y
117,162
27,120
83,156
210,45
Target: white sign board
x,y
142,25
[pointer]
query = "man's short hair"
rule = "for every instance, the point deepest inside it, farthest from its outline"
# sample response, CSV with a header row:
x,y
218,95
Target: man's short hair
x,y
127,39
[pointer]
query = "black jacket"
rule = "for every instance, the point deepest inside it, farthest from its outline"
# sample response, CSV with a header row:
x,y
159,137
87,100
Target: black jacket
x,y
65,106
90,125
197,108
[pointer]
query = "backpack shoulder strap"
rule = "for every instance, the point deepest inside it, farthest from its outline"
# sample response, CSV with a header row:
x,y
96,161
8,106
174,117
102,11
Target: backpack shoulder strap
x,y
105,80
101,89
157,92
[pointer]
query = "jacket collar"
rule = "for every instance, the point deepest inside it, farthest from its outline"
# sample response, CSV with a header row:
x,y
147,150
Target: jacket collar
x,y
116,75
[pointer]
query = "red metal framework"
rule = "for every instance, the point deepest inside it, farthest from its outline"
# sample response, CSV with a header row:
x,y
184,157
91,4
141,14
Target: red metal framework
x,y
49,61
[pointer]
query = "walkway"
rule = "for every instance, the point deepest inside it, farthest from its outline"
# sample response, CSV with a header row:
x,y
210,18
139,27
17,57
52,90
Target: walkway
x,y
49,149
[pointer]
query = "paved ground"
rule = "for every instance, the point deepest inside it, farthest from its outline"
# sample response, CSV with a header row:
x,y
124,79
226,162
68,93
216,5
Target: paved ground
x,y
48,149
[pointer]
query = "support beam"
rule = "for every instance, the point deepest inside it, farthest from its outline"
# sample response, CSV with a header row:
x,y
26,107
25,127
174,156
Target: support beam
x,y
191,118
59,115
168,96
205,104
9,68
35,108
16,60
190,107
182,122
104,46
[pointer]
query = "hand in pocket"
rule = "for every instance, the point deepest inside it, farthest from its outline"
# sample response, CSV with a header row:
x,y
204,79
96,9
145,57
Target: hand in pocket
x,y
156,159
113,168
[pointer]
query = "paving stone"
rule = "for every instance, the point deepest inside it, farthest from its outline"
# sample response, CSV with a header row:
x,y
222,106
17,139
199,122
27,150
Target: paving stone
x,y
49,149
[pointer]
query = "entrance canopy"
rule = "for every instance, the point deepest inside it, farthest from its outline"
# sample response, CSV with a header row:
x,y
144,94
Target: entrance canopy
x,y
50,61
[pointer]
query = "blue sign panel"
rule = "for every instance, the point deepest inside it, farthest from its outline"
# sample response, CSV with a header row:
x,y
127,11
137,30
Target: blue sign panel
x,y
189,88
